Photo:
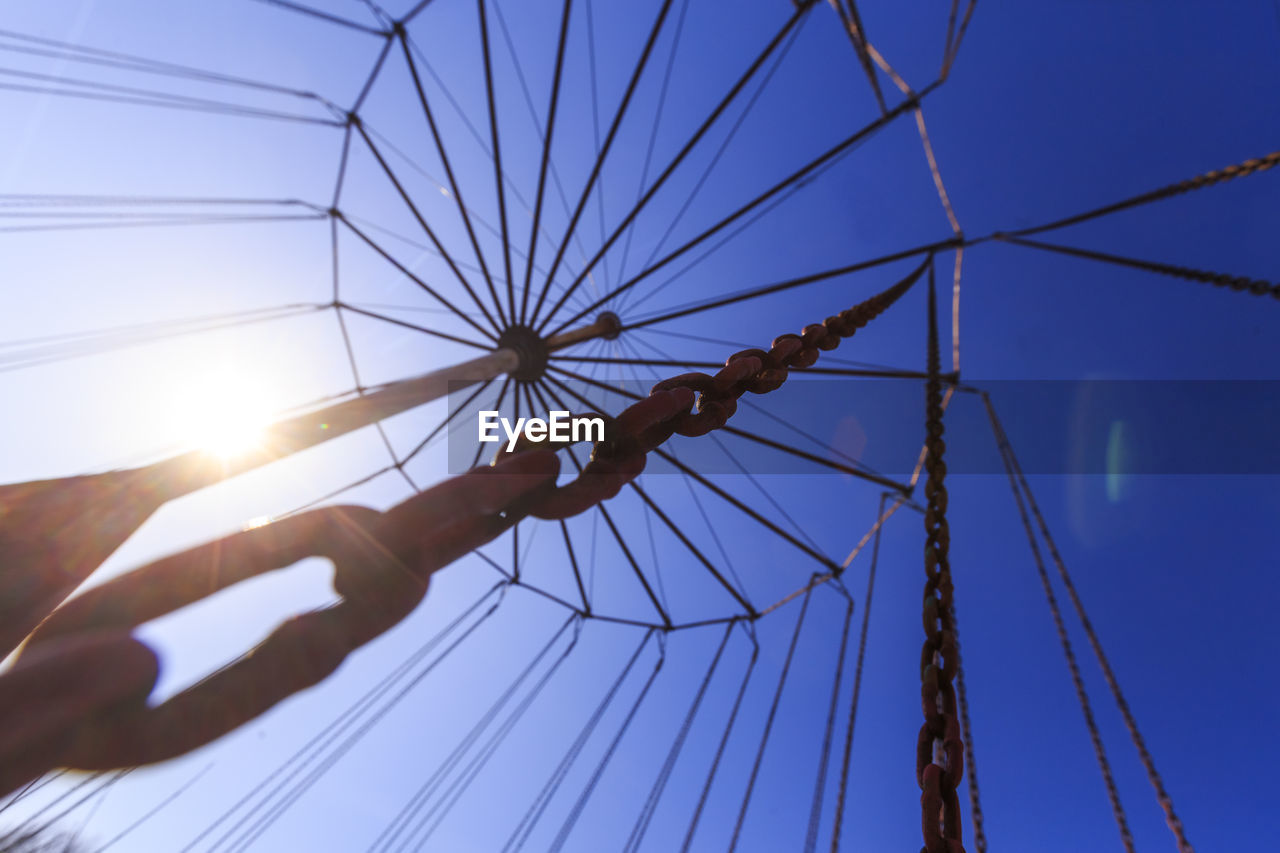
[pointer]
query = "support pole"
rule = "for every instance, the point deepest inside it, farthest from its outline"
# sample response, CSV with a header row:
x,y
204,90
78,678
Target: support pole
x,y
197,469
57,532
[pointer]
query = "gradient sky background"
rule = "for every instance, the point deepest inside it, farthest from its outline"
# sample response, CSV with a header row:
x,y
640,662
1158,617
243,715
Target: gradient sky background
x,y
1049,111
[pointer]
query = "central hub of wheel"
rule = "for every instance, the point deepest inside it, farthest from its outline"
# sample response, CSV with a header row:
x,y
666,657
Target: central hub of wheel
x,y
532,349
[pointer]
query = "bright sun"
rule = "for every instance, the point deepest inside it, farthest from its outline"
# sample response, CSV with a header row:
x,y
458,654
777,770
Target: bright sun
x,y
224,412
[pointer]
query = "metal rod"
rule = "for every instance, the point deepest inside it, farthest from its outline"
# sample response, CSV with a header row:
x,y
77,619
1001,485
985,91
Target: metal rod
x,y
59,531
196,469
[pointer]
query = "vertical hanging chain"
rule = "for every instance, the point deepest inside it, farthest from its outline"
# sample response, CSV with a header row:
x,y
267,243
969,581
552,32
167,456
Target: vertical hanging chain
x,y
940,747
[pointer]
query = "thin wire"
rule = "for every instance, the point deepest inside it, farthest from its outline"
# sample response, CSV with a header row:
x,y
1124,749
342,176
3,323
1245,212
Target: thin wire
x,y
599,162
574,813
820,784
724,741
842,791
330,735
1162,796
549,789
496,741
179,791
415,806
768,725
645,818
1113,794
689,146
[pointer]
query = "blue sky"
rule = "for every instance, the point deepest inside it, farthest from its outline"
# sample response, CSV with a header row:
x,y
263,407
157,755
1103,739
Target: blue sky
x,y
1049,111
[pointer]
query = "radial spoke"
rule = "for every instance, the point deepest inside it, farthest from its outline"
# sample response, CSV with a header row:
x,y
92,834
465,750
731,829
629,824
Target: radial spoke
x,y
546,158
818,460
1235,282
604,152
430,232
456,410
684,152
422,284
626,551
653,132
852,21
455,190
617,535
346,306
778,287
792,179
497,164
720,151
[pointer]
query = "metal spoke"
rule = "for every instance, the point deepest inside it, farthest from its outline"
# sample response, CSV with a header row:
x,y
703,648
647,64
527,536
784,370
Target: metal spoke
x,y
778,287
497,167
430,232
604,152
792,179
422,284
546,158
455,190
684,152
346,306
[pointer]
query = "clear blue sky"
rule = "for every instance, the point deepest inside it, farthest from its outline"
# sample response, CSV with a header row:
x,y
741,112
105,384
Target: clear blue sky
x,y
1049,111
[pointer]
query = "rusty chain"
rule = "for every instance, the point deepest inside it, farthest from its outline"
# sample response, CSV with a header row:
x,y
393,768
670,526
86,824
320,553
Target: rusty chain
x,y
940,744
382,564
383,561
648,423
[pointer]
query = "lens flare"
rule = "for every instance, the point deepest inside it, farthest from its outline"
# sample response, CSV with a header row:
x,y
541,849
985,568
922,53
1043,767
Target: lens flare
x,y
224,413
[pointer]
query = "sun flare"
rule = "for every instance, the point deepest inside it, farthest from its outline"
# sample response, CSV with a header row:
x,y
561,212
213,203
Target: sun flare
x,y
224,413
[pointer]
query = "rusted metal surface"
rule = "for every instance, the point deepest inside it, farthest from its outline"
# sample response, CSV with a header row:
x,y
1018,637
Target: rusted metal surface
x,y
383,562
940,745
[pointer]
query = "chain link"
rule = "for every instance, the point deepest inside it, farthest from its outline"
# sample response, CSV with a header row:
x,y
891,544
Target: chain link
x,y
383,561
940,744
694,404
382,565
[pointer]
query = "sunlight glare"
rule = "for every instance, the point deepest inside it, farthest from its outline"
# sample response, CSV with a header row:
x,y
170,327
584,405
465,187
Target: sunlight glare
x,y
223,412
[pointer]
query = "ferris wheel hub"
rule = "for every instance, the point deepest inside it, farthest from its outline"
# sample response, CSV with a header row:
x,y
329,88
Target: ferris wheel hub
x,y
532,349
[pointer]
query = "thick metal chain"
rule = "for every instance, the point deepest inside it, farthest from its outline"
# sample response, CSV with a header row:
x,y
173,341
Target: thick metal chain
x,y
383,561
694,404
940,745
382,565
